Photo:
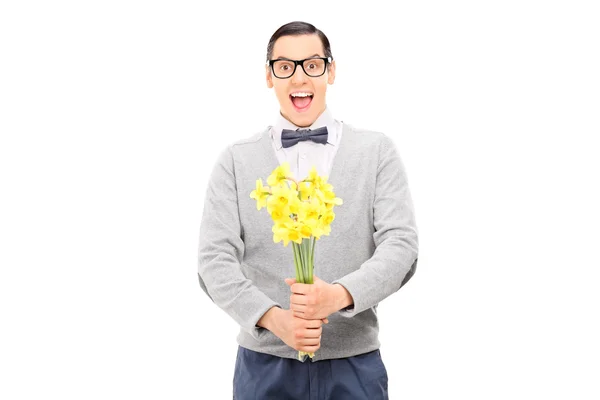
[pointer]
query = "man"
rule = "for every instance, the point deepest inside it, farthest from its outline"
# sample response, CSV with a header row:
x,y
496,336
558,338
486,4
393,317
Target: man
x,y
370,253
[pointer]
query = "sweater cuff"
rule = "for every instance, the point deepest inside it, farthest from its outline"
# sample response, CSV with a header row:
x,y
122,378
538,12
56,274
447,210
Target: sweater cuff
x,y
352,309
258,332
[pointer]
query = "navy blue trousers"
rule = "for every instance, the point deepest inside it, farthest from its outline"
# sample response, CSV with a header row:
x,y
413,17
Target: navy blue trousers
x,y
260,376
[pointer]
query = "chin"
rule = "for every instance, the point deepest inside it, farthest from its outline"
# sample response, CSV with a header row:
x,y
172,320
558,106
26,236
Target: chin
x,y
303,120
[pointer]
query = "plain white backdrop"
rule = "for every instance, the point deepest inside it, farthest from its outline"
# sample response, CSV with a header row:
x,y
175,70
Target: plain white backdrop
x,y
111,117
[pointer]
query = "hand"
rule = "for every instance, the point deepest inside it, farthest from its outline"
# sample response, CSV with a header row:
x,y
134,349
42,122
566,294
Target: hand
x,y
300,334
314,301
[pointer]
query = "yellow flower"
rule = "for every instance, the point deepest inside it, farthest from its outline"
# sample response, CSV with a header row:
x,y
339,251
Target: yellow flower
x,y
328,196
260,194
317,232
279,174
302,210
328,218
305,231
280,214
281,232
306,190
295,203
295,233
281,196
309,212
290,232
315,179
325,229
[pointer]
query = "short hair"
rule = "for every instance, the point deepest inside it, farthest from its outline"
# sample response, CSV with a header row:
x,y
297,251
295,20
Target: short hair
x,y
298,28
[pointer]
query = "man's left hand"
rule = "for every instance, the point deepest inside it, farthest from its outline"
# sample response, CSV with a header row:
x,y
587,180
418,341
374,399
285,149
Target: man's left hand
x,y
314,301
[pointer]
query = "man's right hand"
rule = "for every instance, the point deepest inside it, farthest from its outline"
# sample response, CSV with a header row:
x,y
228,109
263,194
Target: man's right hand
x,y
298,333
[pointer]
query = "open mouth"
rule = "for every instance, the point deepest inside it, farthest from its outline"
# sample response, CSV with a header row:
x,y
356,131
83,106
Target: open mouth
x,y
301,100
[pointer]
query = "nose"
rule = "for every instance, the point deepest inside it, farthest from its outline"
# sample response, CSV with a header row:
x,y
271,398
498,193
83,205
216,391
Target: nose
x,y
299,75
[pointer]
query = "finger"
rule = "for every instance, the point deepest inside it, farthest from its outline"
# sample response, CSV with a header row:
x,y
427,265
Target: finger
x,y
300,288
325,320
309,349
310,341
313,333
298,307
308,317
300,314
299,299
290,281
313,323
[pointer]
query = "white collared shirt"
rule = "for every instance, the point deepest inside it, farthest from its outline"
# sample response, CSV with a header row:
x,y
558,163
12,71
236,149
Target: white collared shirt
x,y
303,155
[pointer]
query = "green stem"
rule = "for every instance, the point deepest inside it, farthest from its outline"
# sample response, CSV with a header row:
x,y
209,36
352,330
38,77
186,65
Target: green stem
x,y
296,262
312,255
300,263
307,266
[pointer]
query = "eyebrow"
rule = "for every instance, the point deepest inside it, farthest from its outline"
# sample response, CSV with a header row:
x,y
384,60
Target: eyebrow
x,y
285,58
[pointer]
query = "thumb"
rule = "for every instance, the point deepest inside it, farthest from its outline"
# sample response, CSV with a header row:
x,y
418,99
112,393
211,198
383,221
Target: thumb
x,y
316,279
290,281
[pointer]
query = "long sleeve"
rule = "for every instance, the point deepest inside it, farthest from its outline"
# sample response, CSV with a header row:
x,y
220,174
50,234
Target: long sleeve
x,y
395,258
221,250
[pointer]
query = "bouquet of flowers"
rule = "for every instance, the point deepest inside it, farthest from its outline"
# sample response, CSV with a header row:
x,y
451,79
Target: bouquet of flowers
x,y
301,211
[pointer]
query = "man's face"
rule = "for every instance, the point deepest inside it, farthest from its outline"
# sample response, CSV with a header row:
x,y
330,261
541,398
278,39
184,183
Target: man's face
x,y
300,111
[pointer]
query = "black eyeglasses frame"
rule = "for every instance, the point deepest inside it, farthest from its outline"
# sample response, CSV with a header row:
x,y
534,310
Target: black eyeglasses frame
x,y
327,60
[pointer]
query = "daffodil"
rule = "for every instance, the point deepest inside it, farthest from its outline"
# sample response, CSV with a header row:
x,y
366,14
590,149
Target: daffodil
x,y
260,194
281,196
306,190
328,217
302,212
294,234
305,231
309,212
279,174
281,232
280,214
295,203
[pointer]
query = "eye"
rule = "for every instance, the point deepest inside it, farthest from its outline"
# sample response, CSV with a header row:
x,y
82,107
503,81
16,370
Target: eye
x,y
284,66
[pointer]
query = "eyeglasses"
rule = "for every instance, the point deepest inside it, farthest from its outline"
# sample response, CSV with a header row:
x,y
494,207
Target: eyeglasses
x,y
313,67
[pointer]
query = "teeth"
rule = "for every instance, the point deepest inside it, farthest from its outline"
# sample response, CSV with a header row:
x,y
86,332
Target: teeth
x,y
301,94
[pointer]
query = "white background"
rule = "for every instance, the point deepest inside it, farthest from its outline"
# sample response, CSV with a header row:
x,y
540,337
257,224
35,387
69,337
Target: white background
x,y
111,117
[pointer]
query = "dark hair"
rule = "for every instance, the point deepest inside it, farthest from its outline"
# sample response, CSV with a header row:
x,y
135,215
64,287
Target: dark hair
x,y
298,28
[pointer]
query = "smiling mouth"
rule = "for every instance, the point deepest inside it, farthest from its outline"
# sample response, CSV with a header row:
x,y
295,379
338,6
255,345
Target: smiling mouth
x,y
301,103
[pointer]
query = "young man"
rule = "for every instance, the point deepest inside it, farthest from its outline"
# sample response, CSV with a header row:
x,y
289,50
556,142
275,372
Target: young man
x,y
370,253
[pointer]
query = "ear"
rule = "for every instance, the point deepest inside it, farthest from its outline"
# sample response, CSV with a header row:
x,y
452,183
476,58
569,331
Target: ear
x,y
331,73
268,76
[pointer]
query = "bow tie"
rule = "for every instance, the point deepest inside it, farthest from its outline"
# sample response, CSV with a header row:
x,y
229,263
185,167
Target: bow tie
x,y
290,137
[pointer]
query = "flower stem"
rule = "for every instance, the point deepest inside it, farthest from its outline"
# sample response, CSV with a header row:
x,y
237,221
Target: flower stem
x,y
303,260
296,262
312,255
306,261
299,262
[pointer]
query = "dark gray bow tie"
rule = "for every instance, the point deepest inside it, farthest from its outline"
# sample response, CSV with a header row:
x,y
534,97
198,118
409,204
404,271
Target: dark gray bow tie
x,y
290,137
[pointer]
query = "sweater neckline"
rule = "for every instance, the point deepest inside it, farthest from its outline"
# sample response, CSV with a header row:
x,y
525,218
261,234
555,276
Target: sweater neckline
x,y
337,167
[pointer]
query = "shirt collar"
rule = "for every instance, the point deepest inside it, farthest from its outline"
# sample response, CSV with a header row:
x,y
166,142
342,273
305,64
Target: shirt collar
x,y
325,119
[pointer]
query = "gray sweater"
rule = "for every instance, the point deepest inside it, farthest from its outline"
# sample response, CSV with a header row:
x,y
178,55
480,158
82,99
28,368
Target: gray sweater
x,y
372,248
